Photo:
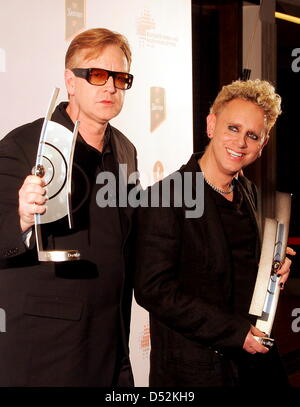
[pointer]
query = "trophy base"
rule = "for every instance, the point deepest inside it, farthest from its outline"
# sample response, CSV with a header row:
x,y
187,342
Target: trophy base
x,y
59,255
265,341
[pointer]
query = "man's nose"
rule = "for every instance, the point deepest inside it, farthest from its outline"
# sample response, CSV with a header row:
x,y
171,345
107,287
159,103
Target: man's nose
x,y
242,140
110,85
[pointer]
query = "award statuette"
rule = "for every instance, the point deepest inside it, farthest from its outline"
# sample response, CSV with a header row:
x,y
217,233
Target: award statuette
x,y
266,291
54,164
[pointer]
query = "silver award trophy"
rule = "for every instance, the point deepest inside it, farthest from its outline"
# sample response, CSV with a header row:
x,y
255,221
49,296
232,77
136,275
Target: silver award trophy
x,y
266,291
54,164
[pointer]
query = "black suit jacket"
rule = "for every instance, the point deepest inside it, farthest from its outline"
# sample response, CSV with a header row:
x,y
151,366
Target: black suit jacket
x,y
52,333
184,279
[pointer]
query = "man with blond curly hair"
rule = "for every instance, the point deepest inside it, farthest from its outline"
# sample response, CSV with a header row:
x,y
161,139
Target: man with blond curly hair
x,y
196,276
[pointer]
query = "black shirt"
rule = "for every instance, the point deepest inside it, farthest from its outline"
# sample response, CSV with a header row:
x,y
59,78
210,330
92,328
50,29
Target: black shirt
x,y
241,235
97,232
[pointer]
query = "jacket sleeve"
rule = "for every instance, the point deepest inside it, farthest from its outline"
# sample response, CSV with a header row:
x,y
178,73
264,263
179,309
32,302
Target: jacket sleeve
x,y
159,291
14,167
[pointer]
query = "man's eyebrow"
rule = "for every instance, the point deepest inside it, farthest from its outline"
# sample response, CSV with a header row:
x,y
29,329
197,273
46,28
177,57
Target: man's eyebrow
x,y
240,125
234,124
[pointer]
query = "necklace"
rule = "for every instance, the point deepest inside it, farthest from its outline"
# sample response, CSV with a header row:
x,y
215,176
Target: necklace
x,y
221,191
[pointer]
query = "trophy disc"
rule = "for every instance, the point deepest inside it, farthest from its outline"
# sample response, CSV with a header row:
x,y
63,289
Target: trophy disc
x,y
55,153
54,163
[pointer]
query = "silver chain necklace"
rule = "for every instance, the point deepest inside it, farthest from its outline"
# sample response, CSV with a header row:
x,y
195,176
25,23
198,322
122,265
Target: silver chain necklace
x,y
221,191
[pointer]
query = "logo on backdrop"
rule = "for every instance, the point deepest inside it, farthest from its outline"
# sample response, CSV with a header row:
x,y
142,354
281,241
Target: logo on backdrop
x,y
75,17
148,34
157,106
144,340
145,23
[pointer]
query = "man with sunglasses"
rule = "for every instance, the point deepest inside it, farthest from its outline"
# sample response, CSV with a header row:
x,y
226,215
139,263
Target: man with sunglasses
x,y
68,323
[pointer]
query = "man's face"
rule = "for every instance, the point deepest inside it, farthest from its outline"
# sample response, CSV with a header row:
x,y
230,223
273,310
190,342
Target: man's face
x,y
238,135
97,104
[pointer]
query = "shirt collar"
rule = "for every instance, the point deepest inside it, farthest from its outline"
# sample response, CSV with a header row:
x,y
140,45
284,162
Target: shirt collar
x,y
68,123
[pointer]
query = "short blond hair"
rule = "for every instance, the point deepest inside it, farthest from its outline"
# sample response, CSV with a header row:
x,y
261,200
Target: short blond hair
x,y
91,43
260,92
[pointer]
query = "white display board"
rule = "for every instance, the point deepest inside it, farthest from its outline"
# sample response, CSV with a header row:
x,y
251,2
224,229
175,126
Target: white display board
x,y
157,114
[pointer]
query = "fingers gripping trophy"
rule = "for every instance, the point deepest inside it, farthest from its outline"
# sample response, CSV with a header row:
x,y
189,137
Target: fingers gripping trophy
x,y
54,164
266,291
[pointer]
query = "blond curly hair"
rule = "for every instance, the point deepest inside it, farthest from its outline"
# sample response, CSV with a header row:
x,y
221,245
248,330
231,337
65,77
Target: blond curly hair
x,y
260,92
